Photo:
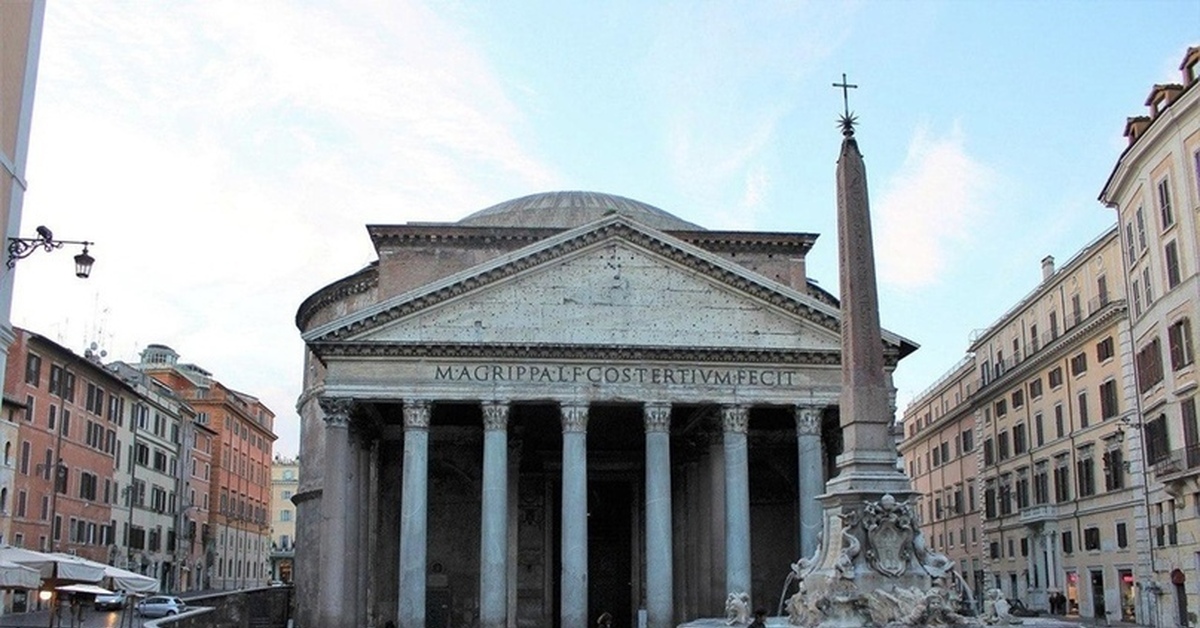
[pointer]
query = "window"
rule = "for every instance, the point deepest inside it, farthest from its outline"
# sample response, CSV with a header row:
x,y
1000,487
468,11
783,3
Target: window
x,y
1179,337
1122,535
989,456
1002,445
1141,229
1079,364
95,399
1114,469
1039,430
1109,404
1137,298
1104,349
1091,538
1076,310
1041,483
994,550
1147,286
1171,255
1131,246
1158,446
968,441
1165,215
1001,408
1149,365
1102,291
1035,389
1062,480
1068,543
1018,399
1020,440
1055,377
87,486
33,370
1024,546
1083,410
1053,325
1058,421
1085,473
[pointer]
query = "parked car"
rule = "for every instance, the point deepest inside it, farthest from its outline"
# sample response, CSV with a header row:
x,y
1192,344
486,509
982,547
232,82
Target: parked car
x,y
109,602
160,606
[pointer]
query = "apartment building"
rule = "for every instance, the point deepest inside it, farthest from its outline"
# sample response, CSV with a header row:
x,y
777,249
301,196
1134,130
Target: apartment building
x,y
152,476
285,482
70,412
939,453
1155,190
1046,394
236,550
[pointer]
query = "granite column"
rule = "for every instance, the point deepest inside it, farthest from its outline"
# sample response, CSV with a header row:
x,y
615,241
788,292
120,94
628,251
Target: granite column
x,y
413,514
493,544
574,587
737,500
659,560
334,498
810,476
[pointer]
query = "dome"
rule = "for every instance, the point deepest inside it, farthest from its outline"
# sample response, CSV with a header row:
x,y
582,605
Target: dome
x,y
566,210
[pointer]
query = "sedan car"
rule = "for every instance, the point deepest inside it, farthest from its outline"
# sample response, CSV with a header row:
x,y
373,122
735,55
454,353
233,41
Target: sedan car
x,y
110,601
160,606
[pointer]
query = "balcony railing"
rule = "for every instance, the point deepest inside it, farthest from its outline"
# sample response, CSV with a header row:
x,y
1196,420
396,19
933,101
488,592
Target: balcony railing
x,y
1039,513
1184,461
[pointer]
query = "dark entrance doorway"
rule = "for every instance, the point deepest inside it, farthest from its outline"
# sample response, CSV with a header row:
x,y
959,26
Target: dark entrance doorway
x,y
610,551
1098,609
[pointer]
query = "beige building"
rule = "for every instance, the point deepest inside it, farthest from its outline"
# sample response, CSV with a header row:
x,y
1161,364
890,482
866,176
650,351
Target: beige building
x,y
938,449
285,482
1043,404
1155,189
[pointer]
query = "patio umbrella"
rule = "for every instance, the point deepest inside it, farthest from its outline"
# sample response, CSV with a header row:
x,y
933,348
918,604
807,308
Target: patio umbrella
x,y
89,589
54,568
14,576
120,578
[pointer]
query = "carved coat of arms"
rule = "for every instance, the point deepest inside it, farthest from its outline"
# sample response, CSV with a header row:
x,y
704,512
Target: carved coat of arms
x,y
889,528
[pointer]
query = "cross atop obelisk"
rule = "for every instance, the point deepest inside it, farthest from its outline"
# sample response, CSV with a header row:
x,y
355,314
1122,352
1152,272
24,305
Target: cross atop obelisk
x,y
848,119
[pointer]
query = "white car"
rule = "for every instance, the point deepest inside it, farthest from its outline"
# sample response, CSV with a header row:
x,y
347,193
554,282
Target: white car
x,y
160,606
110,601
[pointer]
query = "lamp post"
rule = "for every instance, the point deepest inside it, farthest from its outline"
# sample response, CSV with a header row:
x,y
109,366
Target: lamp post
x,y
20,248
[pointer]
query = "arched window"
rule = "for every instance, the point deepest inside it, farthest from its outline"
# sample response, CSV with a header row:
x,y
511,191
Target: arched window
x,y
7,453
4,499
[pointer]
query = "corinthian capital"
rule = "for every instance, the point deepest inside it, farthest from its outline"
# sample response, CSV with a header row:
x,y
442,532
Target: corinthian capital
x,y
495,415
574,417
658,417
808,420
734,418
337,410
416,414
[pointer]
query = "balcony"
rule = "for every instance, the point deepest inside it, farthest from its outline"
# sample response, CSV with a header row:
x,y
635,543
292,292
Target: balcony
x,y
1039,514
1178,464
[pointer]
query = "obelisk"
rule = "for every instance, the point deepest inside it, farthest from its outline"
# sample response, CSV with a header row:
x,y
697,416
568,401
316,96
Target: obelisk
x,y
872,567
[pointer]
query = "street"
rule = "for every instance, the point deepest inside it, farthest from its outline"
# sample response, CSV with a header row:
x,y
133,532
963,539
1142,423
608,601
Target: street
x,y
91,619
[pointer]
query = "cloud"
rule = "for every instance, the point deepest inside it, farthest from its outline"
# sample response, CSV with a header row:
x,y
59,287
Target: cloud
x,y
928,209
723,77
224,156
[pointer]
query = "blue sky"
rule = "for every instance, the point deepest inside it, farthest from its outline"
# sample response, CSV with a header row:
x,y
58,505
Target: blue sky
x,y
226,155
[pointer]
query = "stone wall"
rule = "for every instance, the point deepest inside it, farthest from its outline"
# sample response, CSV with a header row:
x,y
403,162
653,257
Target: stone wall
x,y
268,607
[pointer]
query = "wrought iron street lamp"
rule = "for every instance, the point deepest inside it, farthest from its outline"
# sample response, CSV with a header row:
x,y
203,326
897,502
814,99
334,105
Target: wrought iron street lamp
x,y
20,248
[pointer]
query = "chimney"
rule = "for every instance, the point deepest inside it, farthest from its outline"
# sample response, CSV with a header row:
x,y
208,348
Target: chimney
x,y
1047,267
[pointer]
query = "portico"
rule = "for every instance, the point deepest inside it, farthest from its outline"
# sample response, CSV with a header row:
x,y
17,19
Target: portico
x,y
606,417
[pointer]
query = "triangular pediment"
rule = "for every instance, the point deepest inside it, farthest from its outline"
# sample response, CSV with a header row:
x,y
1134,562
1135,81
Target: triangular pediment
x,y
612,282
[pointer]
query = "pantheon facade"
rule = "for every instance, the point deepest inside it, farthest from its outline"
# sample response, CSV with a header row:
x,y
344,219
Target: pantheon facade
x,y
564,405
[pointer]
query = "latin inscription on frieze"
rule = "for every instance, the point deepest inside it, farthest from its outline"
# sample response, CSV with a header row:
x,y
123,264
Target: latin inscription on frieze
x,y
601,375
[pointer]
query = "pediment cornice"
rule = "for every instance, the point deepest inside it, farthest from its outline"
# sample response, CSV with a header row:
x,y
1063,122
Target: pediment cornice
x,y
546,251
592,353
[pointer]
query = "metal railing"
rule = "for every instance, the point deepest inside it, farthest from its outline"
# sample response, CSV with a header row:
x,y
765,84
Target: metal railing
x,y
1178,461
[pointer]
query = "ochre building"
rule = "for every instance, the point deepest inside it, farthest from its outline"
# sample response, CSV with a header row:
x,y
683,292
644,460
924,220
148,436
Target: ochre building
x,y
563,405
